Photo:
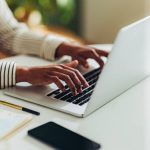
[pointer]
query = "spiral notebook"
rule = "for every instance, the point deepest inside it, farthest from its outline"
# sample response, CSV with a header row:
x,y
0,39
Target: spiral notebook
x,y
11,121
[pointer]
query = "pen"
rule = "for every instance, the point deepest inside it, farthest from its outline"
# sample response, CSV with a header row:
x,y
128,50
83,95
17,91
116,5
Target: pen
x,y
19,107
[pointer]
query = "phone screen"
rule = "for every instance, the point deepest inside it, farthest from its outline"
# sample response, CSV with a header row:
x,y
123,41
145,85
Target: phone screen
x,y
62,138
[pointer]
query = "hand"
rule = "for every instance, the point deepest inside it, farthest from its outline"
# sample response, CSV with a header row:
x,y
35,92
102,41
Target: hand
x,y
53,74
81,53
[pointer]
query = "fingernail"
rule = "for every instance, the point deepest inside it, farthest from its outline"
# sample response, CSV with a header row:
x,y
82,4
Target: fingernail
x,y
86,85
86,66
74,93
80,90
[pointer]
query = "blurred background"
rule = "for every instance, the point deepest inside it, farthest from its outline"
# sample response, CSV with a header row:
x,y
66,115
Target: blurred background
x,y
89,21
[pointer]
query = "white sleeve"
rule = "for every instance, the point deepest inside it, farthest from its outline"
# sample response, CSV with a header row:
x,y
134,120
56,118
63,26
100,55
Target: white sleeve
x,y
7,74
18,38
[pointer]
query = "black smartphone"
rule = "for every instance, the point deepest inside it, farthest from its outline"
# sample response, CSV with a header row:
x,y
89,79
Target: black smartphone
x,y
62,138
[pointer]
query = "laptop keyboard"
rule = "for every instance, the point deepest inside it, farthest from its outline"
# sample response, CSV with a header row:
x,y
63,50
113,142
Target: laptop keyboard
x,y
81,98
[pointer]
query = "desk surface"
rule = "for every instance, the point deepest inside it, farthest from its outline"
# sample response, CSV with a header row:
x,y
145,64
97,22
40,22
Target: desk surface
x,y
122,124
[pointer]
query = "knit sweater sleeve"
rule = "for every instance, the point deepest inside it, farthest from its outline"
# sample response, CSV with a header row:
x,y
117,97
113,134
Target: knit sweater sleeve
x,y
18,38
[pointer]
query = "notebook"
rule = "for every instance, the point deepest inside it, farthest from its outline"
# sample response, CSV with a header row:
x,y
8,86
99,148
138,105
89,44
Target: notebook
x,y
11,121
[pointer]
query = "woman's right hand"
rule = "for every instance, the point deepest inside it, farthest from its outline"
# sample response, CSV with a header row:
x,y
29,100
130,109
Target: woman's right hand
x,y
53,74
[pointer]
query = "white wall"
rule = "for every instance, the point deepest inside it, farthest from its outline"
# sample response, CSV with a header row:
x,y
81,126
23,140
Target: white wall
x,y
101,19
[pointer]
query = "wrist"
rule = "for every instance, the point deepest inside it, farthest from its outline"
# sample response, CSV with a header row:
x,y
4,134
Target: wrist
x,y
66,48
61,50
21,74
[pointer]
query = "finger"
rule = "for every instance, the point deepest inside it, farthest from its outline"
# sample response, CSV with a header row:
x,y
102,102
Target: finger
x,y
101,52
73,77
66,79
76,81
57,81
100,62
95,56
72,64
83,62
79,75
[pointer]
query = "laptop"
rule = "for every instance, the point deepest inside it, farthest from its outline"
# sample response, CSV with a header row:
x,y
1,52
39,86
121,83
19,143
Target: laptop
x,y
128,63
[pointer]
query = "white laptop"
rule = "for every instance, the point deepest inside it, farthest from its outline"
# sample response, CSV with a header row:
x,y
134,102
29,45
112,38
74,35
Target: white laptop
x,y
128,63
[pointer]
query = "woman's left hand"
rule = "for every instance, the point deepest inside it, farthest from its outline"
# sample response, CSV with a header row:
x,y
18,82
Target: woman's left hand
x,y
81,53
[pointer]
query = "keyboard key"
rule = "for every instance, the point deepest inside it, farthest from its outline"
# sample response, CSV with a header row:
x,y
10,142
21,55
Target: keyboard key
x,y
72,98
91,72
82,98
62,94
67,96
54,92
77,101
96,74
93,80
85,101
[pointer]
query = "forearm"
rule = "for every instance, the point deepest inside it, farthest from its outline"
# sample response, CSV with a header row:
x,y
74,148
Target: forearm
x,y
22,74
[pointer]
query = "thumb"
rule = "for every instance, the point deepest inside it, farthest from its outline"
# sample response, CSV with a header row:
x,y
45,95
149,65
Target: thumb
x,y
83,62
72,64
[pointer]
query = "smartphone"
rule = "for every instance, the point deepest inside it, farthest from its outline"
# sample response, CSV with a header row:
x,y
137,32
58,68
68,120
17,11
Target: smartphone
x,y
62,138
